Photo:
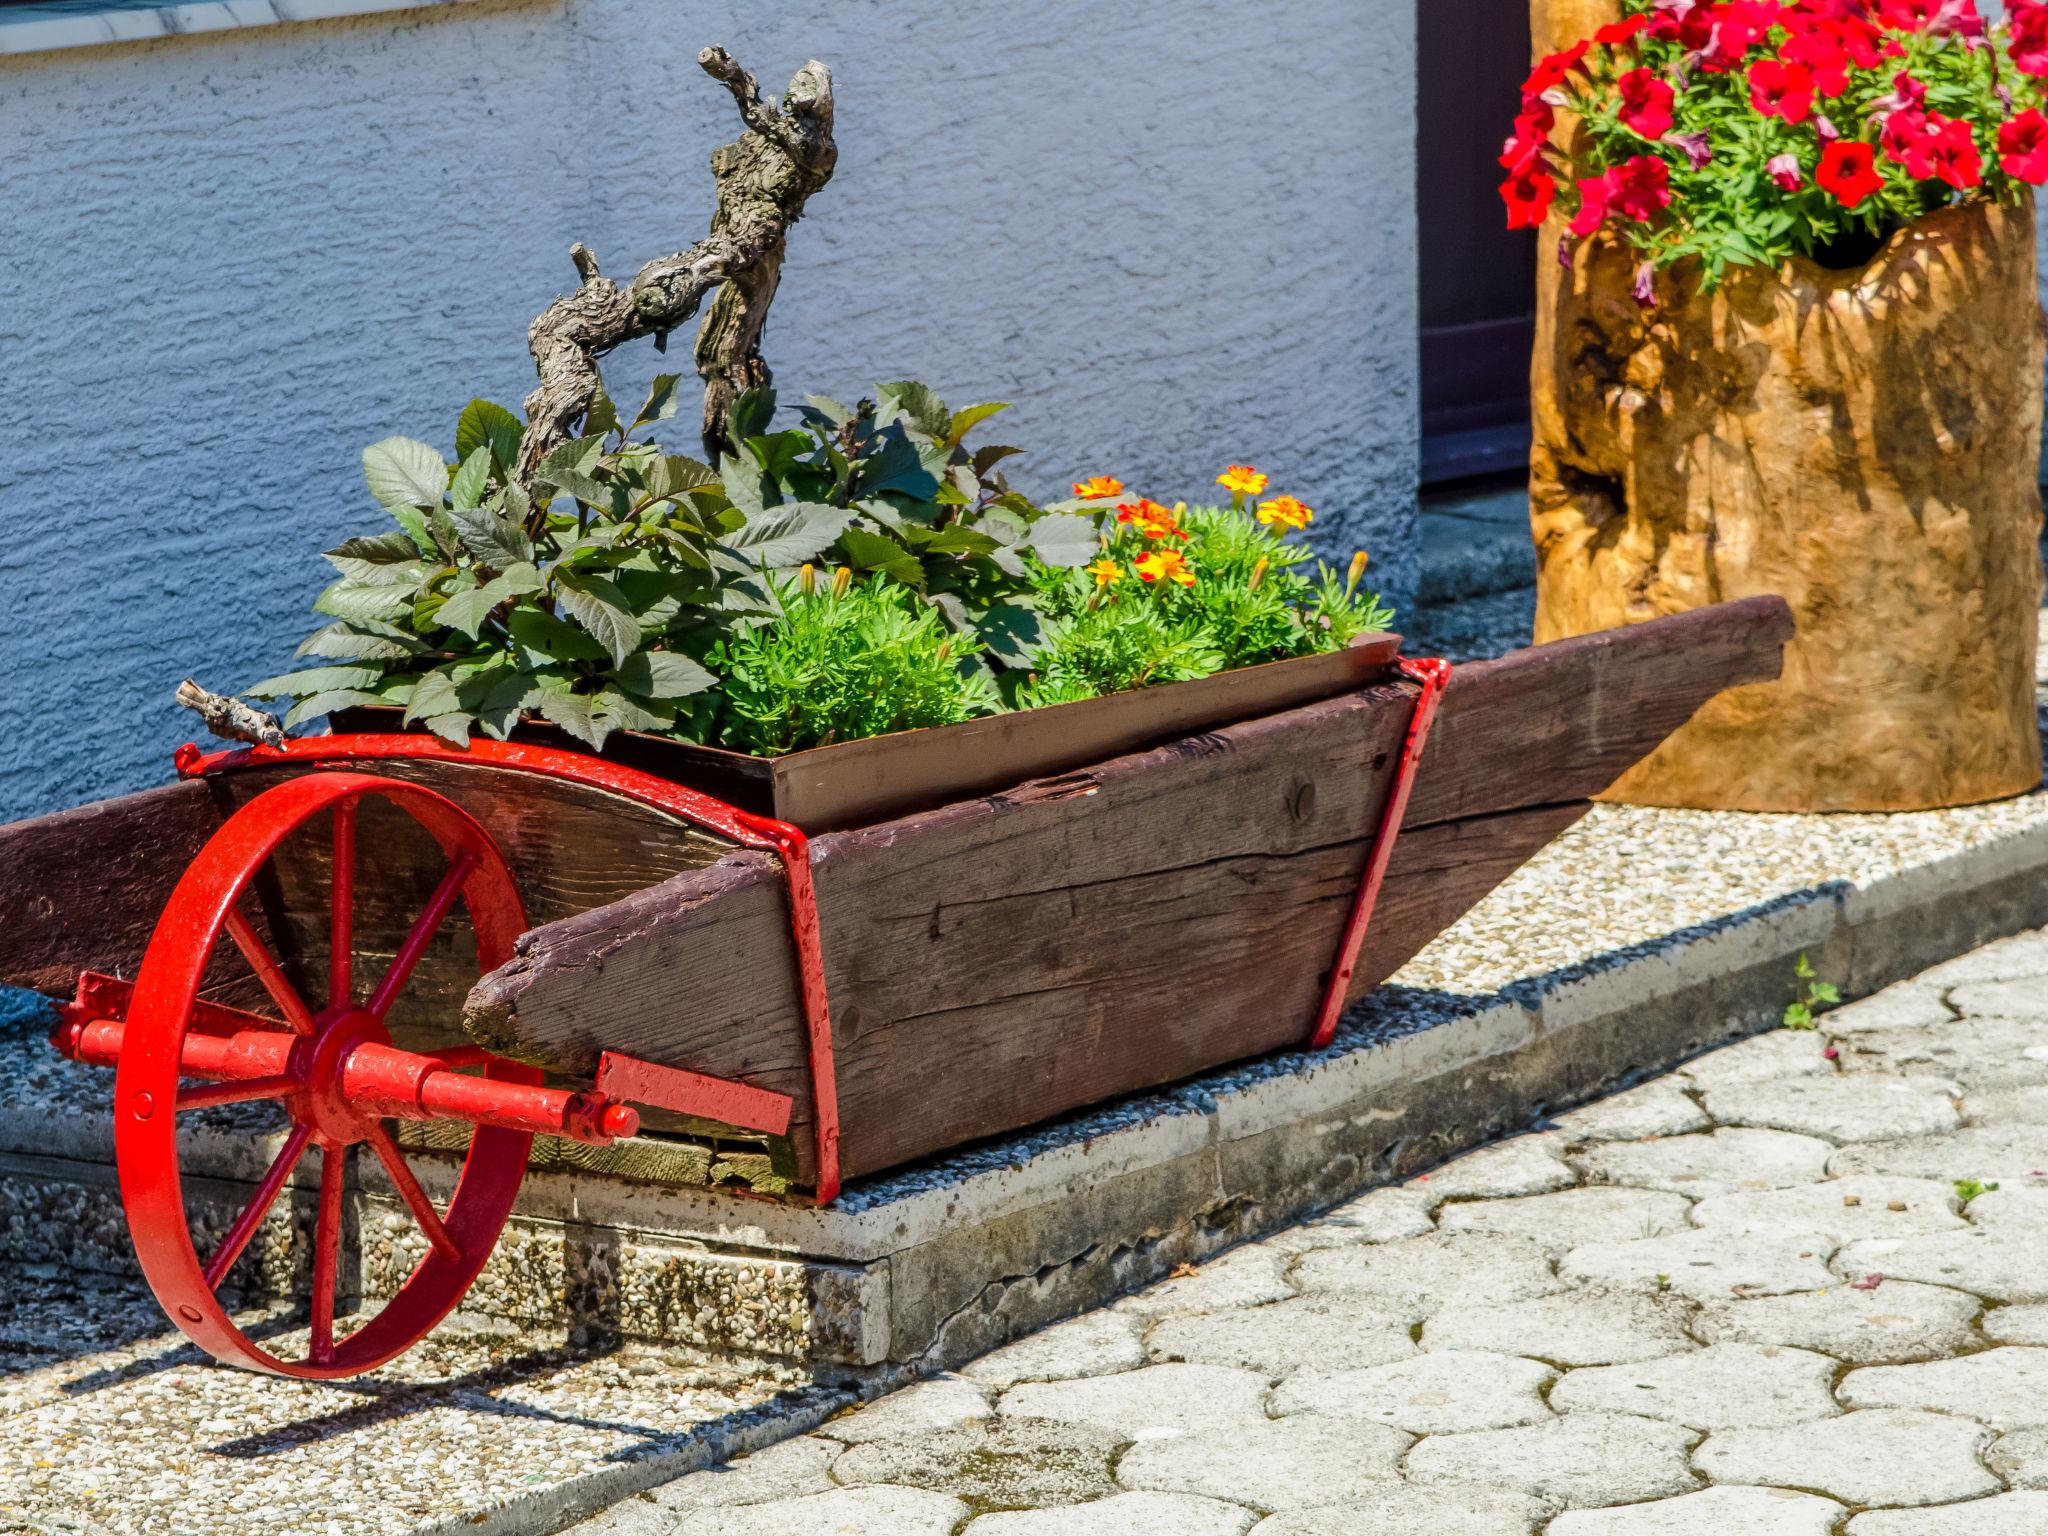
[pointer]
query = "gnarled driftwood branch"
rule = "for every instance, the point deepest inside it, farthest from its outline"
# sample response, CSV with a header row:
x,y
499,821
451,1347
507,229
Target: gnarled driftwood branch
x,y
763,180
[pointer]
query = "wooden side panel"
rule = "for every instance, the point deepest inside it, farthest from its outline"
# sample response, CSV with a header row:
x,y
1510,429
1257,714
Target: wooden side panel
x,y
81,889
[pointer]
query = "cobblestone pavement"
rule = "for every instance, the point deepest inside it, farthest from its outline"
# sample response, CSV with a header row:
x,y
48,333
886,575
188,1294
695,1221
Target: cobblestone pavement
x,y
1798,1287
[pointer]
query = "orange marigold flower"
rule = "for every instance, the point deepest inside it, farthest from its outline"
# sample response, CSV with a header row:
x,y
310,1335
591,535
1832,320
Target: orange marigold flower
x,y
1098,487
1106,572
1285,512
1150,519
1165,565
1242,480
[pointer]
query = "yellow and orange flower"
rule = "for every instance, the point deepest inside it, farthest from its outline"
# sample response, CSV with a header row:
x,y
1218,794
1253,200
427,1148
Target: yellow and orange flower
x,y
1098,487
1241,480
1285,512
1150,519
1107,572
1165,565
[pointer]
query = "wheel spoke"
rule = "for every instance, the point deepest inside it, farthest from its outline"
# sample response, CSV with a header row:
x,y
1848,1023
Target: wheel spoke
x,y
341,924
269,972
422,933
251,1218
236,1093
410,1192
327,1253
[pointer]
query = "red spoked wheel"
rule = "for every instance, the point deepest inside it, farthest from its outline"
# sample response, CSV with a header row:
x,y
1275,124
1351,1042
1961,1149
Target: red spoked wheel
x,y
330,1063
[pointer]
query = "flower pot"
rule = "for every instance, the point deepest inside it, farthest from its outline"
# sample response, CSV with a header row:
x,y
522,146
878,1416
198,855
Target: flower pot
x,y
1863,442
852,783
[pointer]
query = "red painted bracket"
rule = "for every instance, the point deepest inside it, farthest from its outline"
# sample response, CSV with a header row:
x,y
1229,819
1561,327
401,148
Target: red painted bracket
x,y
763,833
1434,675
693,1093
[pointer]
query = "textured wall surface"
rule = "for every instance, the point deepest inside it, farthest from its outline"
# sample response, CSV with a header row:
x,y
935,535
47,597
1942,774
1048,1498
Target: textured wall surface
x,y
1175,232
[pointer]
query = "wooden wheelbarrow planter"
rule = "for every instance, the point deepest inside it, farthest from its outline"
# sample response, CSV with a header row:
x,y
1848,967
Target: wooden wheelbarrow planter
x,y
520,940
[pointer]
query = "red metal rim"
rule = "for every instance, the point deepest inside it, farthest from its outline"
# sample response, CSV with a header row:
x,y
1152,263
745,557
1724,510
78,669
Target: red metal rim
x,y
785,841
146,1083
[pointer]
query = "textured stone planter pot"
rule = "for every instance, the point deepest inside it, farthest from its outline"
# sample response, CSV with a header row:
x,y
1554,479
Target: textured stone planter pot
x,y
1864,443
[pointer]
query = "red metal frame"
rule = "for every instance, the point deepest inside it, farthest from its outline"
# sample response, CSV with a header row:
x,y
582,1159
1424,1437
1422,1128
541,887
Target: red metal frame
x,y
762,833
1434,675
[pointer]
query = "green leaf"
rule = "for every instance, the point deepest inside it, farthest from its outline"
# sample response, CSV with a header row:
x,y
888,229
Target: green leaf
x,y
342,642
750,414
468,609
302,685
622,711
1064,539
573,482
661,400
685,473
354,601
925,410
415,527
490,538
663,675
898,467
377,549
787,535
327,703
957,540
602,609
544,638
467,488
452,727
603,418
831,413
498,703
433,694
986,459
874,552
575,713
966,421
1012,631
486,424
404,472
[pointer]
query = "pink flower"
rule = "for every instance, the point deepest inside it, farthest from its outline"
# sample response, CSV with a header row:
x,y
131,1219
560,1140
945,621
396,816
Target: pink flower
x,y
1694,145
1645,290
1784,170
1824,130
2029,36
1596,195
1645,103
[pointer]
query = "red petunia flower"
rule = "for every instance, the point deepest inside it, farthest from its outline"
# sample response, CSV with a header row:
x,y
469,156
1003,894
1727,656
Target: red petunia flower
x,y
1952,152
1645,103
1620,31
1642,186
1528,195
1690,23
1824,60
1596,198
1848,169
1908,137
1784,170
2029,36
1552,70
2023,147
1777,89
1738,26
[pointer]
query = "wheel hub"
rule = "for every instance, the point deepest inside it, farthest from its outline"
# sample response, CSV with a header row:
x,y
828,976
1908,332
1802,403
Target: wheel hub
x,y
320,1061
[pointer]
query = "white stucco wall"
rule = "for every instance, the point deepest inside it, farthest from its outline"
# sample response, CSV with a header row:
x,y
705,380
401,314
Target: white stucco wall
x,y
1176,232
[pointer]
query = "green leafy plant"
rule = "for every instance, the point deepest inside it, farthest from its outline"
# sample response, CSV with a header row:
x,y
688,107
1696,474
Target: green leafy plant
x,y
1969,1189
1800,1013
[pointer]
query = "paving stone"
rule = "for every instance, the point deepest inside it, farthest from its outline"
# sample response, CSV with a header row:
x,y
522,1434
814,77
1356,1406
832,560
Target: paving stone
x,y
1716,1163
1863,1107
1904,1004
2019,1206
1999,1264
1419,1275
2016,1325
1707,1265
1243,1277
1521,1165
2024,954
1126,1514
1279,1339
1380,1216
1659,1108
2009,1514
1584,1459
1710,1512
941,1403
1577,1327
1882,1457
2006,1388
2018,998
1986,1053
997,1463
1153,1402
1093,1344
1774,1054
1845,1210
842,1512
1728,1386
2020,1457
1896,1323
799,1466
2002,1154
1272,1464
1410,1511
2006,1107
1572,1217
1446,1393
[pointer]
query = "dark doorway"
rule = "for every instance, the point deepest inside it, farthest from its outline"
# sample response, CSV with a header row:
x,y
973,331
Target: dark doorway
x,y
1478,278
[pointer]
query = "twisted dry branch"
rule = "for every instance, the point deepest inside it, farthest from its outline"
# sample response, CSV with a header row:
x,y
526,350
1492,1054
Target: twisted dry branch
x,y
763,181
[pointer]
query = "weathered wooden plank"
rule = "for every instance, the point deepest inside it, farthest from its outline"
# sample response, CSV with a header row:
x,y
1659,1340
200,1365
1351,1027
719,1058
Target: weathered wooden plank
x,y
1005,959
81,889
